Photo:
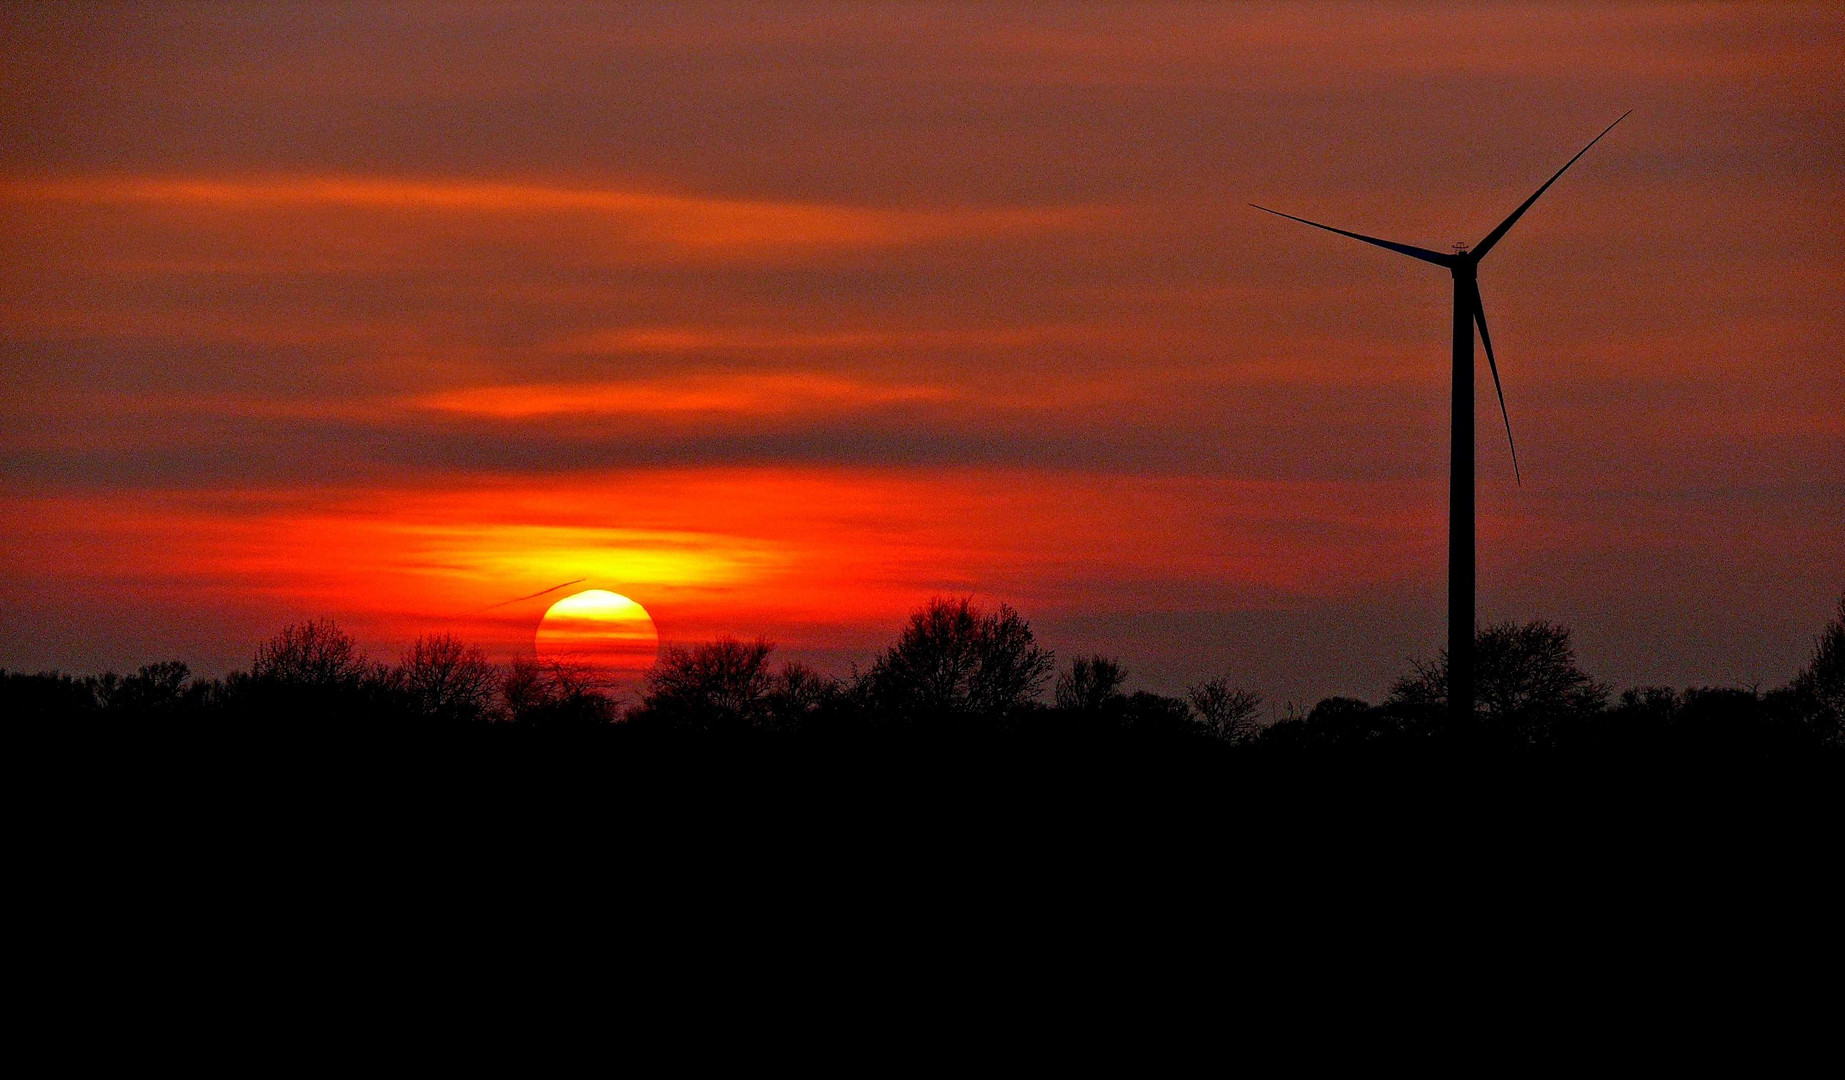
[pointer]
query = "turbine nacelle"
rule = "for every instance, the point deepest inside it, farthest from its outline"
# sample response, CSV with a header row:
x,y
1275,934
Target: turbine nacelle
x,y
1463,262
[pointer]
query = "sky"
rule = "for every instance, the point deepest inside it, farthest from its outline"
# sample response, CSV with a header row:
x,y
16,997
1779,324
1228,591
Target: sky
x,y
781,319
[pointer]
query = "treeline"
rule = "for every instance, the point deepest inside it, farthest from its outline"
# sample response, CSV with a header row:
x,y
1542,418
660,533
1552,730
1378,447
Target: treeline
x,y
955,671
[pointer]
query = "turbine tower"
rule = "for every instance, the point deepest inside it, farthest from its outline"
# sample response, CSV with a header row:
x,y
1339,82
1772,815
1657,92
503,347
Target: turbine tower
x,y
1468,310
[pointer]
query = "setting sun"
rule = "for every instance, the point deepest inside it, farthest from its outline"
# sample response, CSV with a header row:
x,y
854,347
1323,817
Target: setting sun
x,y
605,631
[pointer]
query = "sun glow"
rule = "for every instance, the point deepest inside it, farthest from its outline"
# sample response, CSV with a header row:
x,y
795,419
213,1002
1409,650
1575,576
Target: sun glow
x,y
812,558
602,630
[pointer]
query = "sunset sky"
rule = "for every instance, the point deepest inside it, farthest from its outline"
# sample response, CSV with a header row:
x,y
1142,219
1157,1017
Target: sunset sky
x,y
781,319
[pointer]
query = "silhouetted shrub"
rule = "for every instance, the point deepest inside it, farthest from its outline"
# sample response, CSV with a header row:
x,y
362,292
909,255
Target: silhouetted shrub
x,y
1642,717
728,685
1334,710
1226,710
1819,690
954,658
717,684
1156,713
313,674
444,680
1344,723
1658,702
1525,678
797,694
1091,683
553,695
156,691
1425,688
47,695
315,654
1740,723
523,689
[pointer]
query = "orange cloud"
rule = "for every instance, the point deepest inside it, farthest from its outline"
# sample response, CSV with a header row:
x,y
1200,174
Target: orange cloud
x,y
670,339
686,222
786,394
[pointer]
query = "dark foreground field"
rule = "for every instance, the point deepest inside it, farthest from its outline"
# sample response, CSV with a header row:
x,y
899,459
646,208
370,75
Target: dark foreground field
x,y
849,891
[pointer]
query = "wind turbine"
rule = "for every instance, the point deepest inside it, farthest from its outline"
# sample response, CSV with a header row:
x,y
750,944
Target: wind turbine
x,y
1464,265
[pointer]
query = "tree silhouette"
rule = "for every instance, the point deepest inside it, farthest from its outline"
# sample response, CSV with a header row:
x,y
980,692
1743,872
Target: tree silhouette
x,y
797,694
954,657
728,684
155,690
313,674
722,683
314,654
1154,714
1659,702
1820,687
1226,710
1524,674
447,681
46,696
553,695
524,690
1091,683
1335,723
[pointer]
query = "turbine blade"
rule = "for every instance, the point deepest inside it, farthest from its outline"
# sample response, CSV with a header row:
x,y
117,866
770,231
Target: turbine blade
x,y
1486,245
1479,316
1436,257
